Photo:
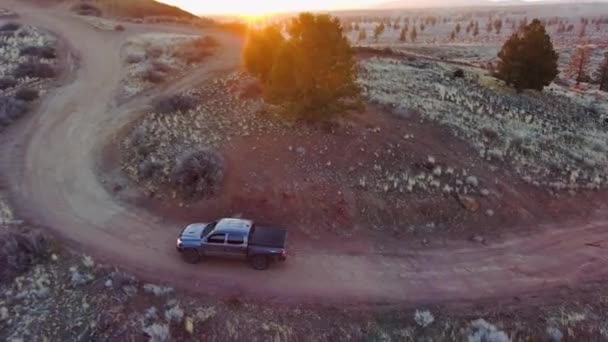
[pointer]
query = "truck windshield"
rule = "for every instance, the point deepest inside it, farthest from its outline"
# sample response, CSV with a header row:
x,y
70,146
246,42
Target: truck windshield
x,y
208,228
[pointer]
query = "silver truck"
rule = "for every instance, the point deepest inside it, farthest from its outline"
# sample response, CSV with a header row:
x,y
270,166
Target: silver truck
x,y
233,238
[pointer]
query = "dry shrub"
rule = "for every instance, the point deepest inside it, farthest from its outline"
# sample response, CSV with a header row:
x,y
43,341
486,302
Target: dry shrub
x,y
196,51
175,103
26,94
10,27
153,52
11,109
19,251
153,76
134,59
198,174
119,28
161,67
46,52
87,9
34,70
7,82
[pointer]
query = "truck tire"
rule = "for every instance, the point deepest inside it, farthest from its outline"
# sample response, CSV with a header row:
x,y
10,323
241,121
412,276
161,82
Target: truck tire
x,y
192,256
259,262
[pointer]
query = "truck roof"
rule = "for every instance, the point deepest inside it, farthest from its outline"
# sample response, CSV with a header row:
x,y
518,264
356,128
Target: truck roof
x,y
233,225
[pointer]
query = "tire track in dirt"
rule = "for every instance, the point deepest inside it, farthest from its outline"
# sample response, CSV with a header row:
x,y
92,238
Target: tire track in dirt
x,y
49,159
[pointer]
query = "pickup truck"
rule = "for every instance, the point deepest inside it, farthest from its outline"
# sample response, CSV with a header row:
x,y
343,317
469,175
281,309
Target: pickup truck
x,y
233,238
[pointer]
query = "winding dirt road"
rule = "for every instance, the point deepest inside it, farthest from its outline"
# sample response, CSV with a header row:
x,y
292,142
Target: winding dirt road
x,y
49,160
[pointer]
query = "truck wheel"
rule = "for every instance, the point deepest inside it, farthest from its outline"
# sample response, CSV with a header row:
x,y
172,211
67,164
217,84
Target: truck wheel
x,y
259,262
191,256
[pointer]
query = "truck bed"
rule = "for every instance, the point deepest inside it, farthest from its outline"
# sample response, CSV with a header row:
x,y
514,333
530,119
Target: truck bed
x,y
267,237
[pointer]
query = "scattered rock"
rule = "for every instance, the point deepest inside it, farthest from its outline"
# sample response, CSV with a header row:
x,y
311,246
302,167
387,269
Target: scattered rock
x,y
485,192
423,318
489,212
555,335
469,203
108,283
478,239
157,290
189,325
174,314
78,279
3,313
301,151
157,332
472,181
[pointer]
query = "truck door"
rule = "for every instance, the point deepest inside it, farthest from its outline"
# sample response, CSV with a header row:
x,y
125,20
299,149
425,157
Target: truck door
x,y
235,246
215,245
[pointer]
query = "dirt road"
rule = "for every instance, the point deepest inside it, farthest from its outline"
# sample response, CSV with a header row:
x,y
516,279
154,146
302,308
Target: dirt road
x,y
49,160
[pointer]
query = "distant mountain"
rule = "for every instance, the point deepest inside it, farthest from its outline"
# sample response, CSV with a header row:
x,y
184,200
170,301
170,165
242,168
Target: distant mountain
x,y
462,3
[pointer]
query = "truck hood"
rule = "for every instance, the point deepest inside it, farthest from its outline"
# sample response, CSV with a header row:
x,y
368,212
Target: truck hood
x,y
193,231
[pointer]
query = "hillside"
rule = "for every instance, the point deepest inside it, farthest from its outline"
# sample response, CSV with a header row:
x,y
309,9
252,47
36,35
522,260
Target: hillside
x,y
137,8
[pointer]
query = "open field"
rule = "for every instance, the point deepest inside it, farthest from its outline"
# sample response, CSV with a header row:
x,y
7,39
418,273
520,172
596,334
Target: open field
x,y
448,207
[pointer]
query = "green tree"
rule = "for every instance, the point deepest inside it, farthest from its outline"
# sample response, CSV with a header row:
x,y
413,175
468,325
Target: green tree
x,y
260,48
579,63
403,35
527,60
362,35
601,75
379,30
312,72
413,34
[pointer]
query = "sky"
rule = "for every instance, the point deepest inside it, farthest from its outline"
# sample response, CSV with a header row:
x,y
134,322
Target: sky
x,y
255,7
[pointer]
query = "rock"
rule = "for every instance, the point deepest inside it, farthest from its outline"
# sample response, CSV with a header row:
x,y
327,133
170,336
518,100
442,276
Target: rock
x,y
189,325
108,283
478,239
175,314
469,203
472,181
431,160
88,262
54,257
489,212
301,150
157,290
437,171
78,279
3,313
485,192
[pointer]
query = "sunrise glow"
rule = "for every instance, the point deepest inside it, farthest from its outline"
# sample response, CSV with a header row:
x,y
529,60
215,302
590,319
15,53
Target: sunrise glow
x,y
252,8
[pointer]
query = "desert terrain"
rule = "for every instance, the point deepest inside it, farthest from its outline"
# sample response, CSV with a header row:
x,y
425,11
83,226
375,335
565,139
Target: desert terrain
x,y
448,207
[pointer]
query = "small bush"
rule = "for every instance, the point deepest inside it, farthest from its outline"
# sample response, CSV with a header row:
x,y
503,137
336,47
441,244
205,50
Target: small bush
x,y
198,173
119,28
160,67
175,103
147,169
7,82
423,318
11,109
482,331
19,251
46,52
26,94
206,42
10,27
86,9
459,73
153,52
158,332
134,59
34,70
153,76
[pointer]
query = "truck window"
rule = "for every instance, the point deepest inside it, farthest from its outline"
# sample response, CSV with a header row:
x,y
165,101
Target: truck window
x,y
217,238
235,239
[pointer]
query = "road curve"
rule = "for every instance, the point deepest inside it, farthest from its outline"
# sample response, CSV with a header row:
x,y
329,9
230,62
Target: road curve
x,y
49,160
